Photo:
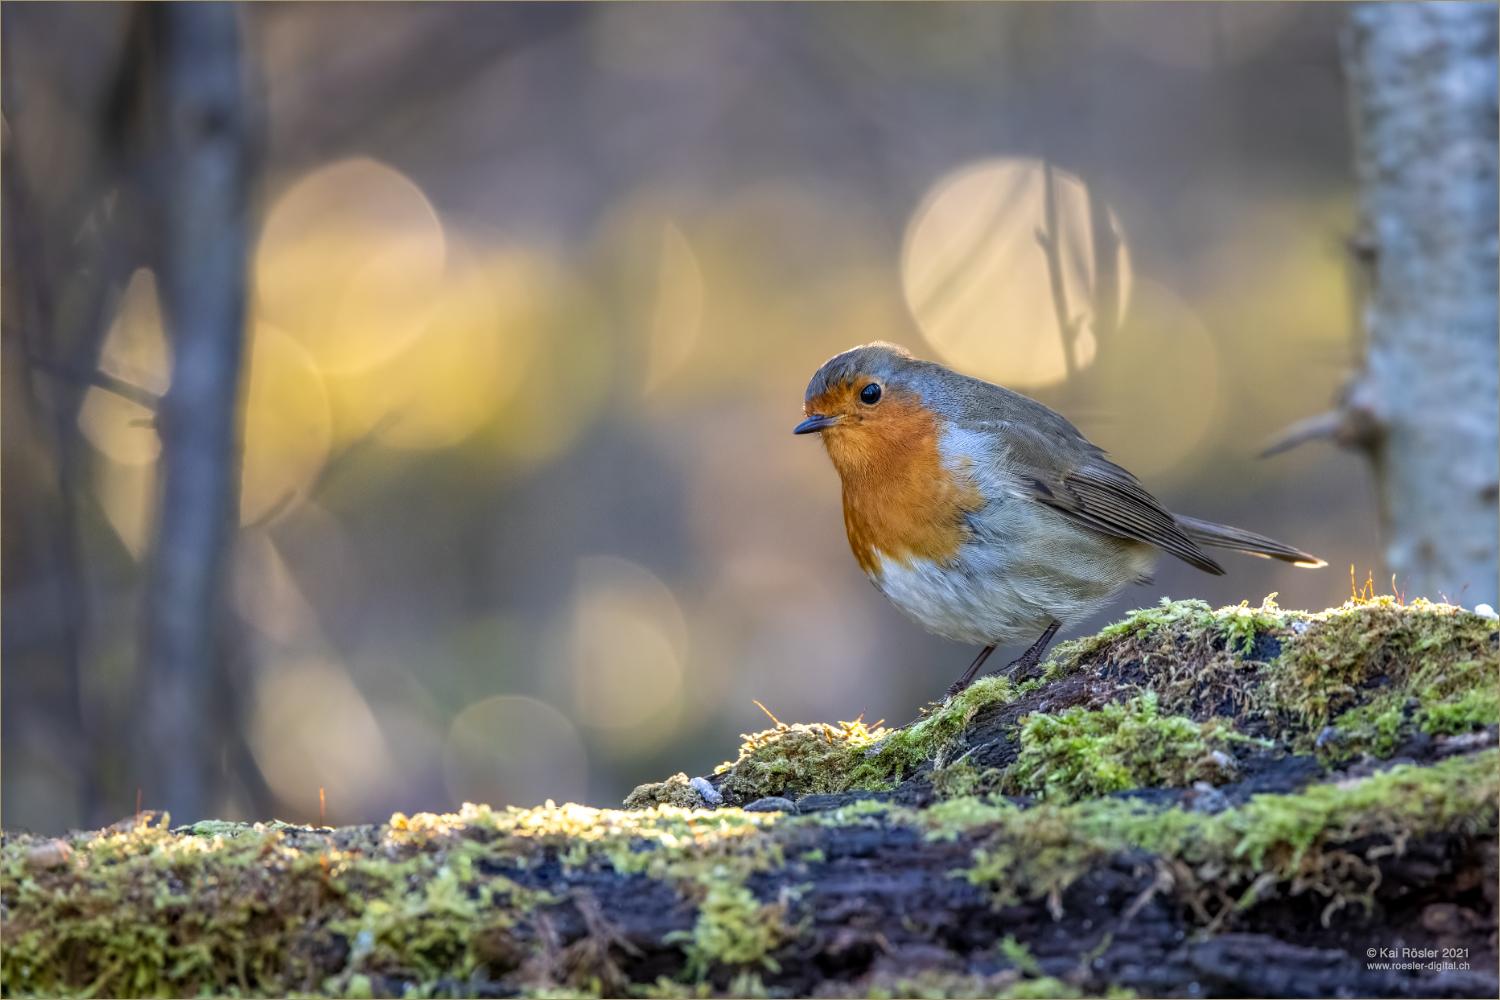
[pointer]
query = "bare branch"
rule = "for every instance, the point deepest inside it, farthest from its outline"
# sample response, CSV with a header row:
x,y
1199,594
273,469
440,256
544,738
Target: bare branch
x,y
1307,429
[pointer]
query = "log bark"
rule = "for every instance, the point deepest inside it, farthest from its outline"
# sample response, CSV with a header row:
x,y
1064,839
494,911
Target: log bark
x,y
1422,83
1295,874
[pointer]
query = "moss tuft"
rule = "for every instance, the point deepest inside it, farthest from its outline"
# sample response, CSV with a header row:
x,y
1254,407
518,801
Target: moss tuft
x,y
962,778
1379,672
1471,710
798,760
1083,753
675,791
1346,656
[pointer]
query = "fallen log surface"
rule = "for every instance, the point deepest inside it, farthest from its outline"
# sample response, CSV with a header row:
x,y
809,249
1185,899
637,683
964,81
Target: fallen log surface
x,y
1242,802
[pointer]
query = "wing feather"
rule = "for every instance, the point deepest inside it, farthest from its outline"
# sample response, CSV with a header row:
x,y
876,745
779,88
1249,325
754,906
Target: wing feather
x,y
1068,474
1057,466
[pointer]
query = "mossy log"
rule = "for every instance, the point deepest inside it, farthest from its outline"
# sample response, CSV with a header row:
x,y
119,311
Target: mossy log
x,y
1242,802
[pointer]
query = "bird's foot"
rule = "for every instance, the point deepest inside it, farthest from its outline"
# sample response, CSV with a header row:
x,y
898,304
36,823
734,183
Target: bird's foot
x,y
967,677
1028,661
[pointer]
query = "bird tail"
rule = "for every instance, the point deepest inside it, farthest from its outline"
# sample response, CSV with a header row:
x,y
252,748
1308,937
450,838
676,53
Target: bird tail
x,y
1224,537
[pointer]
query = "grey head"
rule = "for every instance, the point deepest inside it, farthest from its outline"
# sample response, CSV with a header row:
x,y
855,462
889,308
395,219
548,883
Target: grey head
x,y
880,360
960,398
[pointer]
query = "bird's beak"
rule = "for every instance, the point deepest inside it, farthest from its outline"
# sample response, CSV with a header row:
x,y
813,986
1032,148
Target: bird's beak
x,y
814,423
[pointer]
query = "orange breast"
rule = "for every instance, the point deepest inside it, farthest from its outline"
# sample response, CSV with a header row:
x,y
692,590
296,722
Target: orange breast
x,y
899,500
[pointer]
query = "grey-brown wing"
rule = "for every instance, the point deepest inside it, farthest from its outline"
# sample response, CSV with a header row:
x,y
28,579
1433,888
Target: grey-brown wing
x,y
1059,467
1074,478
1105,497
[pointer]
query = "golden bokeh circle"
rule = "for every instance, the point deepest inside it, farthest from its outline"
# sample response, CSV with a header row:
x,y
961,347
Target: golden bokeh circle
x,y
1002,266
350,262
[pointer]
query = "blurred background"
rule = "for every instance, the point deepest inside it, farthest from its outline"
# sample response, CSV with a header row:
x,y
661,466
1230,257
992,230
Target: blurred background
x,y
535,292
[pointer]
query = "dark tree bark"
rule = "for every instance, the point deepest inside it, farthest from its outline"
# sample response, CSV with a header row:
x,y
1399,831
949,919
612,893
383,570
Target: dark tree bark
x,y
204,213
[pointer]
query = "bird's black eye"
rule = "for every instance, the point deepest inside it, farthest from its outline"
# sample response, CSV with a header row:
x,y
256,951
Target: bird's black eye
x,y
870,394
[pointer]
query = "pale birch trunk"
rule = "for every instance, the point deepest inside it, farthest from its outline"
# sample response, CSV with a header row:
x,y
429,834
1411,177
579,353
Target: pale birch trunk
x,y
1423,86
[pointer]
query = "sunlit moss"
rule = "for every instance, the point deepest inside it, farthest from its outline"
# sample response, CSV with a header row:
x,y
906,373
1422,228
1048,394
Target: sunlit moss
x,y
904,750
800,760
1392,671
807,759
137,910
269,910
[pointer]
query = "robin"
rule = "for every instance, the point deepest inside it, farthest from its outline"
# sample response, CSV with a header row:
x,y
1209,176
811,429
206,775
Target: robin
x,y
984,515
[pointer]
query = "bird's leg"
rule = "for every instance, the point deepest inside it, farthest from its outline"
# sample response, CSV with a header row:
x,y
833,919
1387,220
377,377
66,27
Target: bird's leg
x,y
968,675
1023,664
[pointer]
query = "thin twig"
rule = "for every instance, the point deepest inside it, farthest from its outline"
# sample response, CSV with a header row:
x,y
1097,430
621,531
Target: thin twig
x,y
1050,240
100,378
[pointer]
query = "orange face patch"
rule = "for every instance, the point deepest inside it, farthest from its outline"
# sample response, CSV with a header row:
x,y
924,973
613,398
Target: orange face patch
x,y
899,500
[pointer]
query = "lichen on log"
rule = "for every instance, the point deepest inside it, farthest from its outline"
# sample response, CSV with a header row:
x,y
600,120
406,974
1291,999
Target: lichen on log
x,y
1192,802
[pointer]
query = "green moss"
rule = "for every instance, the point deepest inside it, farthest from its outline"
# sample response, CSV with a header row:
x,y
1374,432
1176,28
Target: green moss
x,y
797,760
733,927
136,910
1345,656
952,986
1082,753
1038,852
1194,658
1237,625
1384,673
1457,696
962,778
806,759
1142,622
1376,728
904,750
1194,661
1463,713
276,910
221,828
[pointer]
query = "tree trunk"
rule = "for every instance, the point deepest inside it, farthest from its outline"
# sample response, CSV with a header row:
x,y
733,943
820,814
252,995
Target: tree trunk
x,y
1423,82
203,205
